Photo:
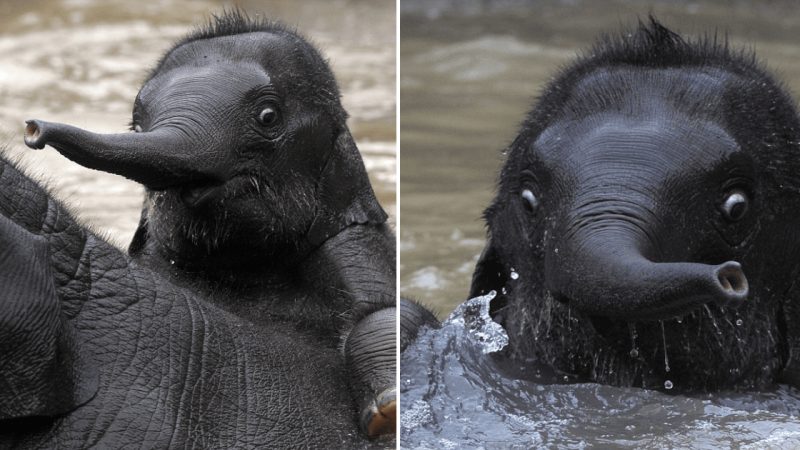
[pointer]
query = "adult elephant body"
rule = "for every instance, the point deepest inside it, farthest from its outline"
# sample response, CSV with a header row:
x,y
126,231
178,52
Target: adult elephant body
x,y
154,363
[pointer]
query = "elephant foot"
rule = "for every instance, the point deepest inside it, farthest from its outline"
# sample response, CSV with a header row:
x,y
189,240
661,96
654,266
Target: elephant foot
x,y
379,416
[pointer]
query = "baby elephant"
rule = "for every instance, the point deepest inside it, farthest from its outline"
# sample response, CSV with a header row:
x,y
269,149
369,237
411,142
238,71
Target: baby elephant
x,y
645,230
256,195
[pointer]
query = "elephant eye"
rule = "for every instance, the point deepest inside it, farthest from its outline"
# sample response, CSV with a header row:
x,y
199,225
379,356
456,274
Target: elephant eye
x,y
268,116
735,205
531,202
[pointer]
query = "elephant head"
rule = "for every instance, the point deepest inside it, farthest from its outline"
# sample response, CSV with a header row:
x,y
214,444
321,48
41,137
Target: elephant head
x,y
648,210
242,143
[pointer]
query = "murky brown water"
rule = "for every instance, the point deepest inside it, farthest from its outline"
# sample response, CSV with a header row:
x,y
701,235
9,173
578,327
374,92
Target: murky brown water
x,y
469,74
82,61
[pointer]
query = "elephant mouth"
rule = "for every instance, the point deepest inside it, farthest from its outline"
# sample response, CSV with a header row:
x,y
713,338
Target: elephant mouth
x,y
202,194
198,195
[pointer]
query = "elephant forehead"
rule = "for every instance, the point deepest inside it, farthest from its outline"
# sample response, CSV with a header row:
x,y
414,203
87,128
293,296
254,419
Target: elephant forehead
x,y
205,80
654,146
686,91
273,52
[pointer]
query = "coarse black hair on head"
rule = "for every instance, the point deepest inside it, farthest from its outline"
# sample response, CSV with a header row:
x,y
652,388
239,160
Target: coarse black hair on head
x,y
650,45
654,45
236,21
232,22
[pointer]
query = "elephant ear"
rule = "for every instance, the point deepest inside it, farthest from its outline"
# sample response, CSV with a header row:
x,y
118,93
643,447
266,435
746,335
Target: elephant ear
x,y
505,238
345,196
791,372
791,311
489,272
140,236
490,275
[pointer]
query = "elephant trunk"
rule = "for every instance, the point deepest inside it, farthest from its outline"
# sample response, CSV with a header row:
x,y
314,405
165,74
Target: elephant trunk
x,y
369,351
605,274
158,159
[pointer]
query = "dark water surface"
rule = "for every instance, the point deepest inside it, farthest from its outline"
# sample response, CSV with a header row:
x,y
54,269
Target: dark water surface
x,y
456,395
469,72
82,62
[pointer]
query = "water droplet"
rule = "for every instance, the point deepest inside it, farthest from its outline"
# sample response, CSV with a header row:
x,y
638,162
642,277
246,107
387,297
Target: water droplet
x,y
473,315
739,322
664,340
514,275
172,261
503,291
634,350
566,378
668,385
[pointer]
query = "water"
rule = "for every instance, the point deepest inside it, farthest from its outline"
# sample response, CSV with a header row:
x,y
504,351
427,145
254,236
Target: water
x,y
82,62
456,395
470,71
473,316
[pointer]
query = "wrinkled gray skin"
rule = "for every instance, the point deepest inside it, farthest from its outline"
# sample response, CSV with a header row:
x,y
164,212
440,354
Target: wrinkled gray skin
x,y
650,208
261,254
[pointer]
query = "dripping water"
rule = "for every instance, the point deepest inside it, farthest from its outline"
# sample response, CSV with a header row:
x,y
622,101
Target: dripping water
x,y
713,321
667,383
664,341
634,349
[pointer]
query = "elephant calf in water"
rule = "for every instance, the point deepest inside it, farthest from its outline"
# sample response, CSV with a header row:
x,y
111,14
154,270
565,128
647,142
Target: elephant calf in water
x,y
646,228
260,227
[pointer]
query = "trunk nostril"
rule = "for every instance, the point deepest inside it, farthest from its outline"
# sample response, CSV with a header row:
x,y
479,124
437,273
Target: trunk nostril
x,y
31,130
732,280
33,133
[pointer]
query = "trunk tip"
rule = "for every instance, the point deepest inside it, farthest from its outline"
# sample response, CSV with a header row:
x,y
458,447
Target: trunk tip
x,y
33,134
732,281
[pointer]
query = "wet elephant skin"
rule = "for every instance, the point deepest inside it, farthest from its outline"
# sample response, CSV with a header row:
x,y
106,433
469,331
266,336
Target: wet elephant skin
x,y
648,209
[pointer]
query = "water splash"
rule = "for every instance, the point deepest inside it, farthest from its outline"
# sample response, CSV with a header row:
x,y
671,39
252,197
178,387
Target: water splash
x,y
457,396
473,315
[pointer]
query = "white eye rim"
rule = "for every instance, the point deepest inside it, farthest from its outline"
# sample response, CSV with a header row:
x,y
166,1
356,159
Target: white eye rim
x,y
270,109
531,199
732,199
137,128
